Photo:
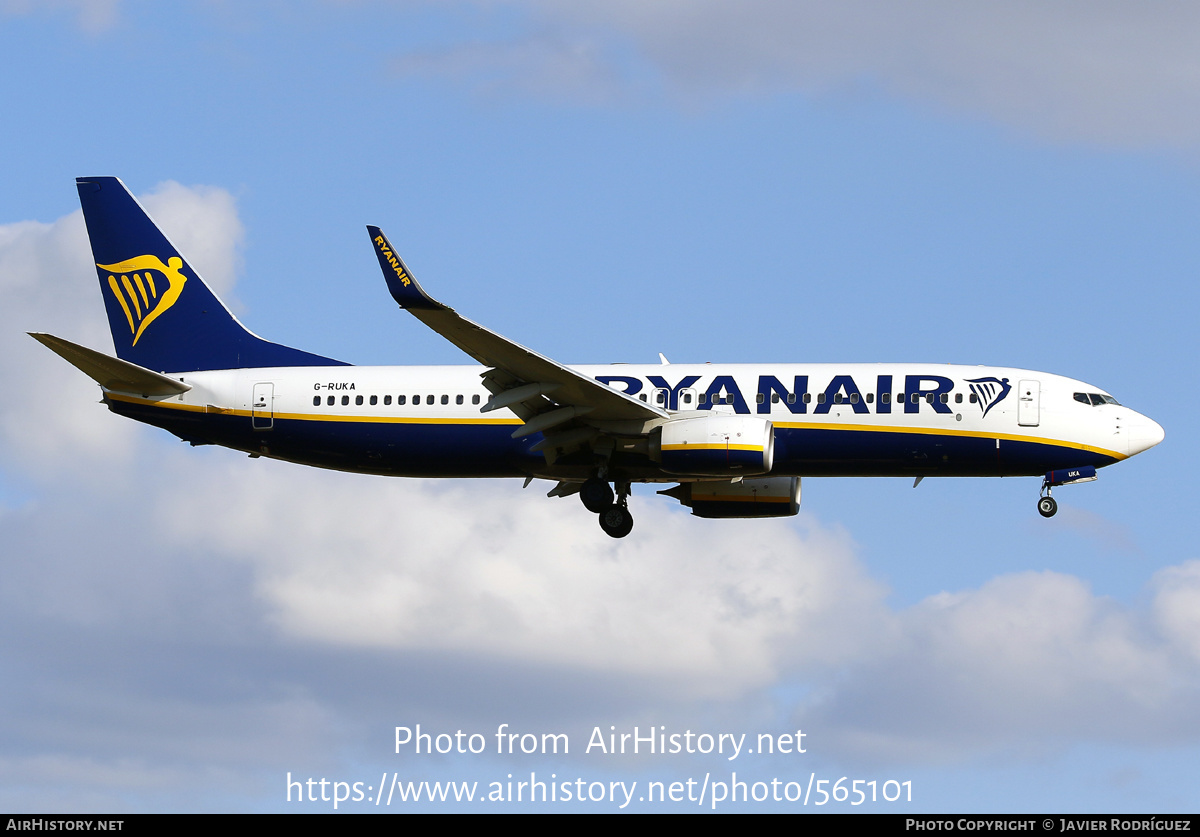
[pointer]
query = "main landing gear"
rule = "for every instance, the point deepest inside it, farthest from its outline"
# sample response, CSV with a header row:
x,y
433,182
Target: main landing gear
x,y
598,498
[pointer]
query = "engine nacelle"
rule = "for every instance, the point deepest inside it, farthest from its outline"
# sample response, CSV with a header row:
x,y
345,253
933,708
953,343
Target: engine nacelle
x,y
756,497
714,446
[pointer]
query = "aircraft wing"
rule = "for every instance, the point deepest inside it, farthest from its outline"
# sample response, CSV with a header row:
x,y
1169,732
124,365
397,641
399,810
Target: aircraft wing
x,y
525,376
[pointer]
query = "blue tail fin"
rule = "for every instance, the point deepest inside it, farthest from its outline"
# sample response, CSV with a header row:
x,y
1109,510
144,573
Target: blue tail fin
x,y
162,315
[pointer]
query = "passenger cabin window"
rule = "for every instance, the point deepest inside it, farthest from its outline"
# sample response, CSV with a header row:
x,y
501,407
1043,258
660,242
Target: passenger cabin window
x,y
774,398
870,398
316,401
374,400
687,398
358,400
474,399
345,400
762,399
330,401
958,398
401,400
428,399
791,399
702,398
854,398
445,399
886,398
458,399
820,398
974,398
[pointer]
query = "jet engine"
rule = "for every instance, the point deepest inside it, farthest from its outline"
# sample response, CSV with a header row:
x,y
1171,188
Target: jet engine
x,y
760,497
715,445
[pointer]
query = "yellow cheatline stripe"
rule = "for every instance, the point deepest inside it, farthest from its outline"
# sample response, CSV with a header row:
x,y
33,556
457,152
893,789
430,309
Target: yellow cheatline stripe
x,y
970,434
199,408
755,448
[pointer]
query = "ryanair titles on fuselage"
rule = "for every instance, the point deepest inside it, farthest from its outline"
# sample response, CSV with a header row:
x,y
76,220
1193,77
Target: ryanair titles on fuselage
x,y
881,397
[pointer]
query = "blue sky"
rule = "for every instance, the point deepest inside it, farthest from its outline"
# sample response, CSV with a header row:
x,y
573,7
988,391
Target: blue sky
x,y
604,181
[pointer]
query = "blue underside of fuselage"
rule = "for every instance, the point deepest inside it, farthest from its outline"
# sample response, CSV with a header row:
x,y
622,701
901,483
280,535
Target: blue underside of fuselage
x,y
487,450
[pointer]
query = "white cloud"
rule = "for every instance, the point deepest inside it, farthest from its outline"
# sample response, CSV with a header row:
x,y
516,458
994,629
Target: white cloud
x,y
480,570
92,16
1176,607
1100,72
1026,661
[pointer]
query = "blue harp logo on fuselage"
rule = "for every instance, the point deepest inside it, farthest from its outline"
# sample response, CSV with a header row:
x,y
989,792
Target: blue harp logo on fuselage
x,y
989,391
140,295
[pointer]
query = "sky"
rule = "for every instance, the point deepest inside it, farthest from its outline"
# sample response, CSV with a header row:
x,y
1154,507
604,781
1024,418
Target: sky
x,y
187,629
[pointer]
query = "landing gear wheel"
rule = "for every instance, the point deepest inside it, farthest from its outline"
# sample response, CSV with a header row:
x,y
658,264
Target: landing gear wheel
x,y
596,495
1047,506
616,521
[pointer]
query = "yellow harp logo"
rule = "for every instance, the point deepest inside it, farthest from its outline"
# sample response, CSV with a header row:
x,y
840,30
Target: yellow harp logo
x,y
142,299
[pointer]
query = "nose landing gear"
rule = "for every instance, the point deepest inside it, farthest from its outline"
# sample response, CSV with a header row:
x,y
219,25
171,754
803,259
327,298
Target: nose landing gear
x,y
1047,505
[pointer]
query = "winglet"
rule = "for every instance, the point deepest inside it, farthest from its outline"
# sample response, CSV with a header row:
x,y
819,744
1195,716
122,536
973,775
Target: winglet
x,y
400,281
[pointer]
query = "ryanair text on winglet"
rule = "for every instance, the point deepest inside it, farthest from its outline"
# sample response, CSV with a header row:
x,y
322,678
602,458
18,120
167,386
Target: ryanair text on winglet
x,y
392,260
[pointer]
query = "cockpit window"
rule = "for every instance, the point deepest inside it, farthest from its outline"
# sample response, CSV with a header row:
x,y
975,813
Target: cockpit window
x,y
1095,399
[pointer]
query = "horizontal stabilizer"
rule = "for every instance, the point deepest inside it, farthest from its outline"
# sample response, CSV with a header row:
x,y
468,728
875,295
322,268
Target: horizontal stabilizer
x,y
110,372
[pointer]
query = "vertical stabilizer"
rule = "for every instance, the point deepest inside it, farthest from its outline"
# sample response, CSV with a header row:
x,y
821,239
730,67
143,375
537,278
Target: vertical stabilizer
x,y
161,313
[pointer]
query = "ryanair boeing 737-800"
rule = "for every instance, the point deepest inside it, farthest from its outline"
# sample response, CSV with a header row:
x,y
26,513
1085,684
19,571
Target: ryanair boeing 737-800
x,y
735,438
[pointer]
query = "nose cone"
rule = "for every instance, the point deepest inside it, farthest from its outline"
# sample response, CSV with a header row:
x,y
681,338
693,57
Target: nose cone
x,y
1144,434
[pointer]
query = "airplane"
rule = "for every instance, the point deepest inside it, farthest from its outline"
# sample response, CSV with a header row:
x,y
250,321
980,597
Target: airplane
x,y
735,439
